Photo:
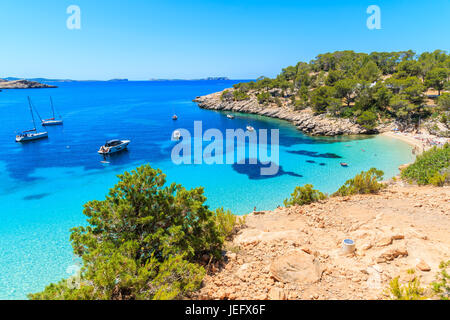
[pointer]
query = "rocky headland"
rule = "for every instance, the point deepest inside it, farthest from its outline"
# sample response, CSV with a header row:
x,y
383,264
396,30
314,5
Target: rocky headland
x,y
305,120
295,253
23,84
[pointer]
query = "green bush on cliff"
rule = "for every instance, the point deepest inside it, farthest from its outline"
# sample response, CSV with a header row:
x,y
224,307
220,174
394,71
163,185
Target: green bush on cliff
x,y
227,223
304,195
239,95
364,183
412,290
441,286
143,241
428,167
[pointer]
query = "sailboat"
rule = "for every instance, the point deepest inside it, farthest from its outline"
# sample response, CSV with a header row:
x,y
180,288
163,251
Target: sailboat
x,y
52,121
33,134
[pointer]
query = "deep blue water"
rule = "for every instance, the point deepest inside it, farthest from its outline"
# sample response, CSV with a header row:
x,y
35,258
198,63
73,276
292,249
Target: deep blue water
x,y
44,184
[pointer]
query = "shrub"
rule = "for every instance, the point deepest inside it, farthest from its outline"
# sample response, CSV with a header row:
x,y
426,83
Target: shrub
x,y
367,120
226,95
304,195
409,291
427,167
441,286
142,241
438,180
227,223
239,95
264,97
364,183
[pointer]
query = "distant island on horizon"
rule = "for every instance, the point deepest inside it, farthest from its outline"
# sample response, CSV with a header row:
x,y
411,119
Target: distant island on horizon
x,y
114,80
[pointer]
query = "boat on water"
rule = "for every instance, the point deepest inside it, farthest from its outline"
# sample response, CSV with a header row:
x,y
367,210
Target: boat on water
x,y
175,117
250,128
33,134
344,164
176,135
114,146
52,121
230,116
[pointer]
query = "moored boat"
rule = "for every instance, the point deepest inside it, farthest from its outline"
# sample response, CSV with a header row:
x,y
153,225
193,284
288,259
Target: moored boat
x,y
344,164
175,117
250,128
114,146
52,121
176,135
33,134
230,116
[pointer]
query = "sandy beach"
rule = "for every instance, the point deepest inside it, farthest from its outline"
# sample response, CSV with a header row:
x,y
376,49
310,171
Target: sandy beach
x,y
419,145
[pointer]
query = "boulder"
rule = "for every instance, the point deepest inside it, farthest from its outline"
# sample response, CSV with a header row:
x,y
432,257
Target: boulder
x,y
298,267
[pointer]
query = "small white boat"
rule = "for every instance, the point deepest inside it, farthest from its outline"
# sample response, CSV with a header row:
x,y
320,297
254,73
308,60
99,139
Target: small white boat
x,y
250,128
175,117
114,146
52,121
176,135
230,116
31,135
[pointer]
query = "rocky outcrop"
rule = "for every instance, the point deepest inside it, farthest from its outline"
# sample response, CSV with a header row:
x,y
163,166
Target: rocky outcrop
x,y
304,120
296,253
23,84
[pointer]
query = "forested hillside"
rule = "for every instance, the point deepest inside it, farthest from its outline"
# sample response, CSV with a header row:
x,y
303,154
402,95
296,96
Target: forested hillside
x,y
366,88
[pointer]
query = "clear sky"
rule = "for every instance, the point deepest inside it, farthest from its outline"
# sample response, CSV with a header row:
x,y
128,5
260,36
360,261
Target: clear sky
x,y
240,39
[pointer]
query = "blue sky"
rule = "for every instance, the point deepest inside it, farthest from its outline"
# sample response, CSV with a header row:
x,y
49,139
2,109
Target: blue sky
x,y
143,39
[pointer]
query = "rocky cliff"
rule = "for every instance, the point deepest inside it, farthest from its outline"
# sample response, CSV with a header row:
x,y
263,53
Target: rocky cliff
x,y
304,120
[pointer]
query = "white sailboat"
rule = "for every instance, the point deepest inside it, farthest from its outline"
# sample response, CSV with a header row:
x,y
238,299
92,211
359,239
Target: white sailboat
x,y
33,134
52,121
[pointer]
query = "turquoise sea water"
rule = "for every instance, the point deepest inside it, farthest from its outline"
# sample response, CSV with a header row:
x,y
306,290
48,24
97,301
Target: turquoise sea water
x,y
43,185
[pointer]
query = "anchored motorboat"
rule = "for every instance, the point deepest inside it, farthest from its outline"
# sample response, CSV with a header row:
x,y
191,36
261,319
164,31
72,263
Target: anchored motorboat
x,y
175,117
230,116
114,146
33,134
52,121
176,135
250,128
344,164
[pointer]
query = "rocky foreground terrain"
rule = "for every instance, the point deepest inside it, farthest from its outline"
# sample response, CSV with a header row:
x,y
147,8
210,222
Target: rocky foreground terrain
x,y
23,84
304,120
295,253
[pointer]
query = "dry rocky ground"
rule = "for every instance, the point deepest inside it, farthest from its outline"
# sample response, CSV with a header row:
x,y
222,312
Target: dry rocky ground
x,y
295,253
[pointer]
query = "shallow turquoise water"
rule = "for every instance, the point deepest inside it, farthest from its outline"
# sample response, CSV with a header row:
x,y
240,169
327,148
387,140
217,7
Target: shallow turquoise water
x,y
44,185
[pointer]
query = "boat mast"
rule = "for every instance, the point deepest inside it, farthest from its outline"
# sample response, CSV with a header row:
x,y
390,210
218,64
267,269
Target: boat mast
x,y
32,115
53,109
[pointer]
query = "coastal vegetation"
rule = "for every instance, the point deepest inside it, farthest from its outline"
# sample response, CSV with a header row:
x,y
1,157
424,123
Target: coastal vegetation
x,y
146,240
304,195
366,182
369,89
413,290
431,167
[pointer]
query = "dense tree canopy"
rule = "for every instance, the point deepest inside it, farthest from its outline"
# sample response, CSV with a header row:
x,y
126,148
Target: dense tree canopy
x,y
142,241
364,87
